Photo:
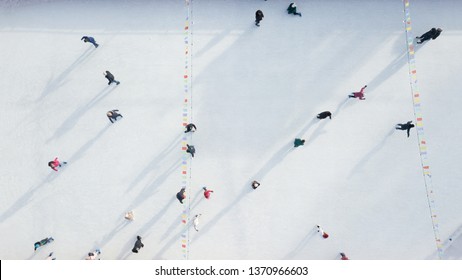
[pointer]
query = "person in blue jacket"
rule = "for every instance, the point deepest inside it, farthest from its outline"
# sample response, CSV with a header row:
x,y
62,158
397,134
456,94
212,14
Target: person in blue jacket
x,y
87,39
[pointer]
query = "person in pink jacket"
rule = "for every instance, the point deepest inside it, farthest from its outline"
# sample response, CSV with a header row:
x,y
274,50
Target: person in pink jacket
x,y
207,192
55,164
359,94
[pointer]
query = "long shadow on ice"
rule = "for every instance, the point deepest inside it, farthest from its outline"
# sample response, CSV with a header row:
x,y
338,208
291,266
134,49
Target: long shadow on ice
x,y
59,81
300,246
395,65
71,121
370,154
151,187
27,197
451,247
156,161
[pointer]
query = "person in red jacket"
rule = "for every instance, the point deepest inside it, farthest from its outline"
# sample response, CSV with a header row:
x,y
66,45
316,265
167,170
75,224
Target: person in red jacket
x,y
359,94
207,192
343,257
55,164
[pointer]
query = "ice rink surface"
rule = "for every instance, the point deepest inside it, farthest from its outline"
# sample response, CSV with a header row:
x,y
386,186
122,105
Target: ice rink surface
x,y
253,91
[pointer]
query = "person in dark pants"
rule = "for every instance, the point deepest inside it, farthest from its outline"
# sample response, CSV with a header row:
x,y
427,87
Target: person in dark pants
x,y
112,115
190,127
258,17
110,78
292,9
180,195
324,115
190,149
138,244
432,34
87,39
407,126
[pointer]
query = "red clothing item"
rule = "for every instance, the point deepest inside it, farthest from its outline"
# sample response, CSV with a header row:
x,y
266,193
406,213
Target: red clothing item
x,y
360,94
54,164
207,193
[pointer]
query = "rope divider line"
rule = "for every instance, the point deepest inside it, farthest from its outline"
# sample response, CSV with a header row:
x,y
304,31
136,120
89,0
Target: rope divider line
x,y
420,128
186,118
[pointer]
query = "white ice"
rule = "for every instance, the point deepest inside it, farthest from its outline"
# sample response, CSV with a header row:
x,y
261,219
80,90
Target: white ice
x,y
254,90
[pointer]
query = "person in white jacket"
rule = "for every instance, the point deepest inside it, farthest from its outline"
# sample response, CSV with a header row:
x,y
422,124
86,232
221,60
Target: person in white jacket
x,y
196,222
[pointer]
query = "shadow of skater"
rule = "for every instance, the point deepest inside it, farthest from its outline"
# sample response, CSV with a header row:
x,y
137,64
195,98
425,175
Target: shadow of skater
x,y
273,161
72,120
393,67
26,198
370,154
84,148
300,246
59,81
156,161
109,236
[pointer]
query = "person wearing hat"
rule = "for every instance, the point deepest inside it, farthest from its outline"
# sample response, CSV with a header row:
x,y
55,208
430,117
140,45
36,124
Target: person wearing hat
x,y
113,114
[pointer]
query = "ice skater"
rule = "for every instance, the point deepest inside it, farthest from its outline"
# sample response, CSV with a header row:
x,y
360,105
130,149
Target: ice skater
x,y
129,215
113,115
54,164
324,115
180,195
87,39
190,127
138,245
431,34
258,17
42,242
196,222
407,126
323,233
110,78
343,257
359,94
255,184
207,193
292,9
191,150
93,255
298,142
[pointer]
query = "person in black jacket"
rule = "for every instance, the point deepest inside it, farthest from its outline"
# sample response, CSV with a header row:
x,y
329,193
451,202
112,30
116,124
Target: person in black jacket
x,y
432,34
407,126
110,78
190,127
191,149
292,9
180,195
324,115
138,245
258,17
112,115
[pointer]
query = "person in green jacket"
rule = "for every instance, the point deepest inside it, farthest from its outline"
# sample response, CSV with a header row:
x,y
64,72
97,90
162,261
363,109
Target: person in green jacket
x,y
292,9
299,142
